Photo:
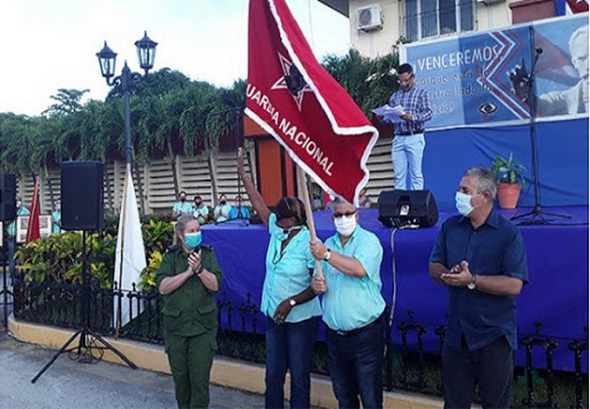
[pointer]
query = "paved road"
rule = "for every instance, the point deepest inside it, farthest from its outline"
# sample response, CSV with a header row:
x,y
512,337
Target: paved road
x,y
70,384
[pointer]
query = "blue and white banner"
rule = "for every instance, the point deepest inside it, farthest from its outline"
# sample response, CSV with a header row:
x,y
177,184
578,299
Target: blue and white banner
x,y
481,79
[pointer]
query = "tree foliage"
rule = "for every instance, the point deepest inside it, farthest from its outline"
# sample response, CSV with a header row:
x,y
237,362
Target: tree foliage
x,y
170,115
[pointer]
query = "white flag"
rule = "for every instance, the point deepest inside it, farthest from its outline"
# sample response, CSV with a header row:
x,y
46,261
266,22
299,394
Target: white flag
x,y
130,253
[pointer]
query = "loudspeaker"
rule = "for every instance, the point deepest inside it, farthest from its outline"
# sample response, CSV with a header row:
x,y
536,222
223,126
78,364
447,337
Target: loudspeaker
x,y
7,196
82,195
407,208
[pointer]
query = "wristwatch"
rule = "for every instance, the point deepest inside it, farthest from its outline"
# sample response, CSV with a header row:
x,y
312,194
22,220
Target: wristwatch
x,y
471,284
327,255
292,302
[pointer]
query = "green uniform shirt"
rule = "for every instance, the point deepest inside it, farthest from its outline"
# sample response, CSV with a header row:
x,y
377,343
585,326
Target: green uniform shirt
x,y
191,309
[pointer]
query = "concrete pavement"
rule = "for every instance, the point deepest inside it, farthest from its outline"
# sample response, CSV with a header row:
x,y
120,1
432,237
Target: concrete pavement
x,y
70,384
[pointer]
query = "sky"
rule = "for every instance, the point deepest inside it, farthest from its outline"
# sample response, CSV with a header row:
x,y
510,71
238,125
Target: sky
x,y
48,45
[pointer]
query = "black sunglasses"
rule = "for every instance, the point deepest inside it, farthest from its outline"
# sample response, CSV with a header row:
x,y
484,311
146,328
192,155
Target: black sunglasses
x,y
347,214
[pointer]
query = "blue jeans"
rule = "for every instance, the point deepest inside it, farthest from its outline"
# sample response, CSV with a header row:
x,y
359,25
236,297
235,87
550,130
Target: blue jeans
x,y
289,346
355,363
406,155
491,367
11,262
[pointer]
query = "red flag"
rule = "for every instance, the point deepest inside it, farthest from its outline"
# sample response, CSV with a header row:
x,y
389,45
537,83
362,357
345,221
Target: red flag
x,y
293,98
33,232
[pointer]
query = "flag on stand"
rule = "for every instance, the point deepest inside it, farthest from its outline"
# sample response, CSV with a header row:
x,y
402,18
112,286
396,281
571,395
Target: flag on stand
x,y
293,98
130,253
33,232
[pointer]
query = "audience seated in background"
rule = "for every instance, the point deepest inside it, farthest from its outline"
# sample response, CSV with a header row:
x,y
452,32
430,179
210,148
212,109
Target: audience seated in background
x,y
238,211
364,200
182,206
200,210
221,211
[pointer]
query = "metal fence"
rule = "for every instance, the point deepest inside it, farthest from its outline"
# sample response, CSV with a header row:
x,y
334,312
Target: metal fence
x,y
408,366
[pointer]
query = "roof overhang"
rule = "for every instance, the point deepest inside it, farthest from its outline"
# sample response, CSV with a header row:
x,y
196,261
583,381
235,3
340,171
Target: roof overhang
x,y
341,6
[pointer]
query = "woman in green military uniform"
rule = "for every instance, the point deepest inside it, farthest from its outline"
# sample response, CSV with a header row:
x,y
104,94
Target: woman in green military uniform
x,y
189,277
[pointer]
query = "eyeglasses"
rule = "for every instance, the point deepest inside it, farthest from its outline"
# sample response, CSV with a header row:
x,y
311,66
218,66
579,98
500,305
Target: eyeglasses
x,y
347,214
407,80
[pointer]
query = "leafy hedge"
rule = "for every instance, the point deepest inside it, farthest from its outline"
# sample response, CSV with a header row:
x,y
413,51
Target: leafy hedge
x,y
58,258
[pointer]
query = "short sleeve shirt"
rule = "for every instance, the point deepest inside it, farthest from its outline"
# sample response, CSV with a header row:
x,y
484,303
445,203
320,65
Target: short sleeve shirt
x,y
351,302
180,207
222,210
200,212
495,248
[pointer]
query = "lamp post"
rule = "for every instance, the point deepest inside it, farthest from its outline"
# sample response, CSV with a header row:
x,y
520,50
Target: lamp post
x,y
125,83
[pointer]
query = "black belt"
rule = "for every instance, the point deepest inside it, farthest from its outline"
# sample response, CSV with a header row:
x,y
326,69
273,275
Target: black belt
x,y
410,133
358,330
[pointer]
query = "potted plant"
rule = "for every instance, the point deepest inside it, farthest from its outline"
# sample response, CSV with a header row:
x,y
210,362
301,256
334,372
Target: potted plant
x,y
510,178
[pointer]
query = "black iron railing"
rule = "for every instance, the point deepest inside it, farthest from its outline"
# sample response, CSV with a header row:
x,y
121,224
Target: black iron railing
x,y
409,365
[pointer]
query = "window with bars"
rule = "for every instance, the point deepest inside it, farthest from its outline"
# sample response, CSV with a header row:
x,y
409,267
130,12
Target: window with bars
x,y
432,18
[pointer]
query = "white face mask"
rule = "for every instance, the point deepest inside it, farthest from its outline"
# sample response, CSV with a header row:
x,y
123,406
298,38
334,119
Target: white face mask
x,y
463,203
345,225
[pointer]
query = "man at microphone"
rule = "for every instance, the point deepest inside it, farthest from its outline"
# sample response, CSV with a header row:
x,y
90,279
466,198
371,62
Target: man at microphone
x,y
408,142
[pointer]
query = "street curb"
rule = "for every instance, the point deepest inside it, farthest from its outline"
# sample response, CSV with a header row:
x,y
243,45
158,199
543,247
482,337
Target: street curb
x,y
226,372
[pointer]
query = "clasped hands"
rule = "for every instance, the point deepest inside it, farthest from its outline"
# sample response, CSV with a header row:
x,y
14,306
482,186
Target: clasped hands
x,y
194,262
458,276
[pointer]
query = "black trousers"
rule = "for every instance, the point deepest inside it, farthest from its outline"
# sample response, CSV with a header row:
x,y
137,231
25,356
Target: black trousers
x,y
490,367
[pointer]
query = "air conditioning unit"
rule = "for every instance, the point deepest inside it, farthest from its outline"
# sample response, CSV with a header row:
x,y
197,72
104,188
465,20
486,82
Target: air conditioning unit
x,y
487,2
369,18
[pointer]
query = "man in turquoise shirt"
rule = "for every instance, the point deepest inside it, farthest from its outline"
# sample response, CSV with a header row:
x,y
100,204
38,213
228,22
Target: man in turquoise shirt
x,y
353,309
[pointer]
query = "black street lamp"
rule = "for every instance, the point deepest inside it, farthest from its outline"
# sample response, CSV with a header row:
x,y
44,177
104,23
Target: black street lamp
x,y
125,83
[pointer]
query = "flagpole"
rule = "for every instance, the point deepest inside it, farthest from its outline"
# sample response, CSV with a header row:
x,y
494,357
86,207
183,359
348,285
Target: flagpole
x,y
122,250
309,214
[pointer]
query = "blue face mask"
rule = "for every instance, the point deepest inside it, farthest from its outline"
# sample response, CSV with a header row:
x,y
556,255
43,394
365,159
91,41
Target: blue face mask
x,y
193,240
463,203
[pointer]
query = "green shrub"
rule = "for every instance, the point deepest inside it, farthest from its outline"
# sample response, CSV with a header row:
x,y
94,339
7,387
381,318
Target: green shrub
x,y
58,258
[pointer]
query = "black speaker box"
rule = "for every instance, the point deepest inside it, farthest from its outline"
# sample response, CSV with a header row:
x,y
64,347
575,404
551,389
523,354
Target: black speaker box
x,y
407,208
82,195
7,196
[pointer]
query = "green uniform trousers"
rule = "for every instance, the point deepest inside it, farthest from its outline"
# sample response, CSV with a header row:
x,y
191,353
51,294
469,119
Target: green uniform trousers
x,y
190,360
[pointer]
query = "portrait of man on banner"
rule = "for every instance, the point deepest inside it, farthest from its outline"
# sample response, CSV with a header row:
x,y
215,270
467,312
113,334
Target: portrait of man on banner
x,y
562,88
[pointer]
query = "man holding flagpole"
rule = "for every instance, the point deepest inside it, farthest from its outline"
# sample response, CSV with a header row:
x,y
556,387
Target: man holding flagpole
x,y
293,98
353,309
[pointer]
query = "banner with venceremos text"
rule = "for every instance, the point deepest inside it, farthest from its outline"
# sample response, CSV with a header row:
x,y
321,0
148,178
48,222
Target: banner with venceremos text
x,y
482,79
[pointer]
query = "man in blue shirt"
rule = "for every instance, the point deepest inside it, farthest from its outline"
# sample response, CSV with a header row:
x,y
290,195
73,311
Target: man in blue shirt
x,y
408,142
353,309
480,257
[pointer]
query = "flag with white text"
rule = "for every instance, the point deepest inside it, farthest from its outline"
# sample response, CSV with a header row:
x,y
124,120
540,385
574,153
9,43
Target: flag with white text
x,y
130,252
293,98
